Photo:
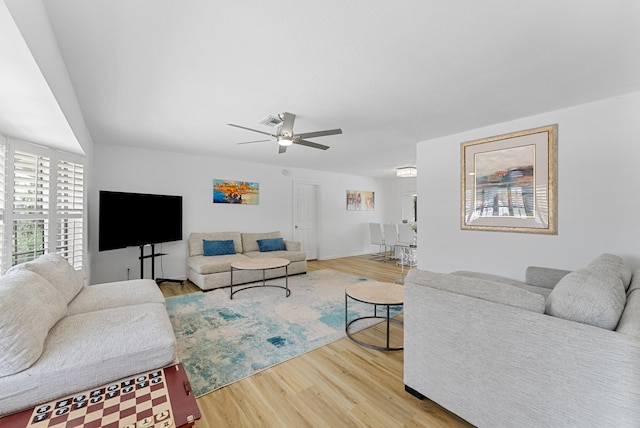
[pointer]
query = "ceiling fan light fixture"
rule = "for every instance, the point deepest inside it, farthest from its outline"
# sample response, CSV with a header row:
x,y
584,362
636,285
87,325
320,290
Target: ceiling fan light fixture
x,y
285,141
407,171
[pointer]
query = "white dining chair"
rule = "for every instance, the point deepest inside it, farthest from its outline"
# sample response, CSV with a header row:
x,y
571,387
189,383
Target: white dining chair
x,y
407,244
406,235
390,239
377,238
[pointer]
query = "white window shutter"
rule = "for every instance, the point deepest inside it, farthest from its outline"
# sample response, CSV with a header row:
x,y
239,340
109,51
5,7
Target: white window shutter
x,y
42,207
70,211
30,211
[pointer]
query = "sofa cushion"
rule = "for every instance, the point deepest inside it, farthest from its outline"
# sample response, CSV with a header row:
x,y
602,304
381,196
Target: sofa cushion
x,y
218,247
629,323
293,246
538,276
497,278
115,294
205,265
292,256
29,307
610,264
250,240
591,295
57,270
483,289
271,244
194,241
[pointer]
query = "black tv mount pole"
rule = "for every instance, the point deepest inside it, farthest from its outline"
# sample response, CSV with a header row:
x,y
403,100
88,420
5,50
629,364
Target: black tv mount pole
x,y
153,256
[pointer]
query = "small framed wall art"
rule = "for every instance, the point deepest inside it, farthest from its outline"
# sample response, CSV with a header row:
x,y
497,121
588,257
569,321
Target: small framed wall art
x,y
360,200
508,182
235,192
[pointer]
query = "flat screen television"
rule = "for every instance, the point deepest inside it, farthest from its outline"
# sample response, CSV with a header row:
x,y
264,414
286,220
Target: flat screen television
x,y
135,219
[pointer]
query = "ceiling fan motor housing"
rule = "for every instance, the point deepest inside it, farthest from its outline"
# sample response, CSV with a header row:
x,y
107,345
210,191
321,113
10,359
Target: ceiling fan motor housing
x,y
285,136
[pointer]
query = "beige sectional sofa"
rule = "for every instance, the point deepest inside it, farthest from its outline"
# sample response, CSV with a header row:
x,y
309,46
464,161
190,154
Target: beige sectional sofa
x,y
559,350
214,271
58,336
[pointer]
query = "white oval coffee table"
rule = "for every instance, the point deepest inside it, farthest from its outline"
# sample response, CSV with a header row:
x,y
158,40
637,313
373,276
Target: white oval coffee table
x,y
376,294
262,264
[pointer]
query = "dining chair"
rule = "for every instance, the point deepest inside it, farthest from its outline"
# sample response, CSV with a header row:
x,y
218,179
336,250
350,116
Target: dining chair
x,y
390,239
377,238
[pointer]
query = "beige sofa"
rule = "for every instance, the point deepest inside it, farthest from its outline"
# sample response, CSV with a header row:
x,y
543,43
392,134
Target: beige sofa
x,y
59,337
211,272
559,350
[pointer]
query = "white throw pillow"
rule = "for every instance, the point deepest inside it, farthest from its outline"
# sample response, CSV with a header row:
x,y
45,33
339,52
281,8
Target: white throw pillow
x,y
57,270
29,307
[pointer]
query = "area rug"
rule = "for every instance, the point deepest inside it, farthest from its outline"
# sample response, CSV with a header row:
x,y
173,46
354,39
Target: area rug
x,y
221,341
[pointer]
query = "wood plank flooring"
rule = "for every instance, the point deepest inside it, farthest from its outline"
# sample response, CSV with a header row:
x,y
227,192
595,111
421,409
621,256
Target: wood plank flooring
x,y
338,385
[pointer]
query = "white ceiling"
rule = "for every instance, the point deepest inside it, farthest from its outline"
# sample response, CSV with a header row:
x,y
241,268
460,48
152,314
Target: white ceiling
x,y
170,74
28,108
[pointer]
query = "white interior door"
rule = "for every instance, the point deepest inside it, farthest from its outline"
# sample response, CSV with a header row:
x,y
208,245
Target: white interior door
x,y
305,227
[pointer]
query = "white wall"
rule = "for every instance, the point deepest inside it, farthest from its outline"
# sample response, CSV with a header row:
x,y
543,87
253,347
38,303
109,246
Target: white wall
x,y
118,168
394,189
598,195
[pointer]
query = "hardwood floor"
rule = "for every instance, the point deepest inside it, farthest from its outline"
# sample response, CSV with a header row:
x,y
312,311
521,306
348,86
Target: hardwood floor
x,y
338,385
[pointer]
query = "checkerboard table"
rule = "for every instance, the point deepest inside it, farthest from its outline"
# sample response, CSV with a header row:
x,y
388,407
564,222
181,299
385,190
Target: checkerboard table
x,y
158,399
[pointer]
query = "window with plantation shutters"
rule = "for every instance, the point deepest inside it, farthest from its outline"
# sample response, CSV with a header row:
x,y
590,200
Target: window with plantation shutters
x,y
43,204
70,211
30,210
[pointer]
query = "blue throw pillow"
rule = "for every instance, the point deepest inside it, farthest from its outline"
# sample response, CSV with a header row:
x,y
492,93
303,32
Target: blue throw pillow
x,y
218,248
271,244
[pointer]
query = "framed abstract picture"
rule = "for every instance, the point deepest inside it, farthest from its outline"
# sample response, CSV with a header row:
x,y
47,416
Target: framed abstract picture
x,y
360,200
508,182
235,192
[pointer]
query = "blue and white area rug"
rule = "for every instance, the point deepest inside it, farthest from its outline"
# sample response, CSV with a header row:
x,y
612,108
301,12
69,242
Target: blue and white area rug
x,y
221,341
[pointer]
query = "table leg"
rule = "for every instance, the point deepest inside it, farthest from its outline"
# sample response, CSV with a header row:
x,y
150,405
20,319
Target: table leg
x,y
231,297
286,280
388,322
346,313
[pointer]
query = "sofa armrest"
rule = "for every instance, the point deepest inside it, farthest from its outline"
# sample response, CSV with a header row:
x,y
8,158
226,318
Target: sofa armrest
x,y
292,245
491,291
544,277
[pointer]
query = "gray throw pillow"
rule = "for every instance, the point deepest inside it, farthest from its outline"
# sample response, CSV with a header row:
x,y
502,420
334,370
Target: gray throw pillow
x,y
612,265
589,296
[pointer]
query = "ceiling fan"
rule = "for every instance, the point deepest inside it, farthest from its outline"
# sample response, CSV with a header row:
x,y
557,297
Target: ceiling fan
x,y
285,136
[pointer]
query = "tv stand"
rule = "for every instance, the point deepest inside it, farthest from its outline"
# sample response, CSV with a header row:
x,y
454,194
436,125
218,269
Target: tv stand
x,y
153,256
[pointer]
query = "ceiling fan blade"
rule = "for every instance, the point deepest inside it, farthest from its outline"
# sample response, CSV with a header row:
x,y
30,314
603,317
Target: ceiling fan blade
x,y
251,142
254,130
310,144
320,133
287,124
281,149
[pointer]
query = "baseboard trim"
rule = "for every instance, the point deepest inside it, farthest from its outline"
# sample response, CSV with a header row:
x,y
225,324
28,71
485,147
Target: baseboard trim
x,y
414,392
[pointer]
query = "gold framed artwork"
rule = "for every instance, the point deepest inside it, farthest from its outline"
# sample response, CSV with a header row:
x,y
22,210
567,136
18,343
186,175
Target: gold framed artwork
x,y
361,200
508,182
